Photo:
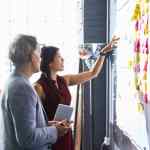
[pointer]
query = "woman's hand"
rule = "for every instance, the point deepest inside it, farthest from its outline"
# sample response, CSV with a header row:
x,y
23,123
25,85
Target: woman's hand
x,y
109,46
67,123
62,122
62,127
95,70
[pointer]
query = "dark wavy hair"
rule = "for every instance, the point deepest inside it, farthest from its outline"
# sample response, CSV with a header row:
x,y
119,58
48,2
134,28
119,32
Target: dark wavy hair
x,y
47,56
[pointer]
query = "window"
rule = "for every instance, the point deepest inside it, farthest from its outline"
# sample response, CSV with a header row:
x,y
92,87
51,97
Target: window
x,y
52,22
129,119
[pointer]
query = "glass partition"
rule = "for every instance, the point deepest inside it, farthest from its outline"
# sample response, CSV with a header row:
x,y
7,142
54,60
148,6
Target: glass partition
x,y
132,69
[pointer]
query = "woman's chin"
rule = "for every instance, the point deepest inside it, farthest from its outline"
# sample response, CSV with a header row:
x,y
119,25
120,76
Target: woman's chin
x,y
62,69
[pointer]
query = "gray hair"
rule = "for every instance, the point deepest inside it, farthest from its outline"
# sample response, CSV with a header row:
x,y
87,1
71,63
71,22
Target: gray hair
x,y
21,49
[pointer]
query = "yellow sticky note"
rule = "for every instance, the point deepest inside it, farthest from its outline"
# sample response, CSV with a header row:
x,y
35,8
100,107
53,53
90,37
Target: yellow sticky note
x,y
145,76
145,87
140,107
147,1
137,58
146,29
130,63
137,12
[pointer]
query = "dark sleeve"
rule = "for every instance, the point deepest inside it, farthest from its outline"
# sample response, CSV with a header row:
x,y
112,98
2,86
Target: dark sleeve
x,y
22,105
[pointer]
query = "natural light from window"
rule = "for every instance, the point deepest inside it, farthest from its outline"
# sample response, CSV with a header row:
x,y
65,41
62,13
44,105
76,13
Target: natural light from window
x,y
52,22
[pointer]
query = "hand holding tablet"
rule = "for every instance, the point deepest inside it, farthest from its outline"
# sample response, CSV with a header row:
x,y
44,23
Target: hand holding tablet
x,y
63,112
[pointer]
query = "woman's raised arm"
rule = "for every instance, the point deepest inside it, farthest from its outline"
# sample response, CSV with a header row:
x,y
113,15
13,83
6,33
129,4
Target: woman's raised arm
x,y
95,70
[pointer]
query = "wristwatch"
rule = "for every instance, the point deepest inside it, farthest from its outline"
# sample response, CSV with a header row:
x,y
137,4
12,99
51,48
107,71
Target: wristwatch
x,y
102,54
105,54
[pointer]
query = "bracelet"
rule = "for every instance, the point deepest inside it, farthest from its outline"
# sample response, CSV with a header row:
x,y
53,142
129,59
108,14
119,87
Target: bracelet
x,y
102,54
105,54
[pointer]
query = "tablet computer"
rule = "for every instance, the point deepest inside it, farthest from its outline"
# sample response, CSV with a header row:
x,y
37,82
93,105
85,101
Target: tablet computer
x,y
63,112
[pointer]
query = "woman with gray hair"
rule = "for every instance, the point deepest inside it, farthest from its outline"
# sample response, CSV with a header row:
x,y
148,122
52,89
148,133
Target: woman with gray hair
x,y
25,123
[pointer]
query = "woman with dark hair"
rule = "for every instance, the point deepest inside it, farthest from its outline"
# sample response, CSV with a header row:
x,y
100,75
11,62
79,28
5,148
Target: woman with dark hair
x,y
53,89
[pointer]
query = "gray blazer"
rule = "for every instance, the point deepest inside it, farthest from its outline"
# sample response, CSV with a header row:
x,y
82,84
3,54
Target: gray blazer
x,y
24,120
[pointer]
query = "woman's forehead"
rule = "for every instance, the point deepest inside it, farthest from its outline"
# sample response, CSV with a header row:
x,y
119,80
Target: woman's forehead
x,y
58,52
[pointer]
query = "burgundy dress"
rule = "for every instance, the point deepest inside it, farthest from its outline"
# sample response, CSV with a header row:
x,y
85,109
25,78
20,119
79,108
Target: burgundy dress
x,y
53,97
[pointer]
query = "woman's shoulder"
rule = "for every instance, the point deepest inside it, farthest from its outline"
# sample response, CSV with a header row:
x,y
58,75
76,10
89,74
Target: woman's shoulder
x,y
39,89
61,79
